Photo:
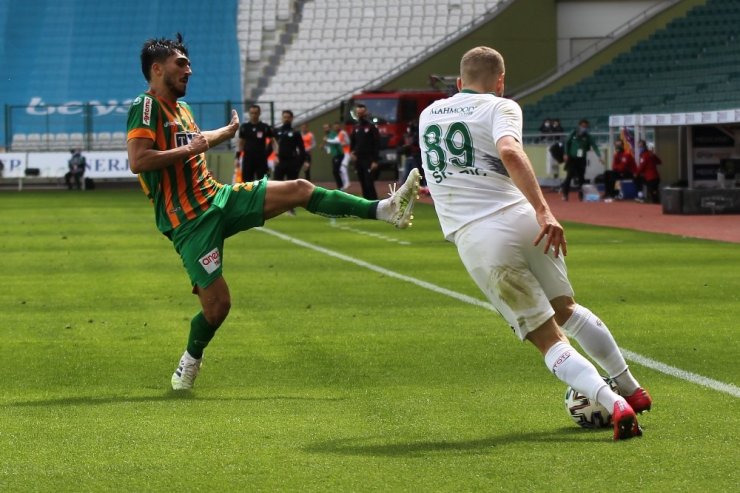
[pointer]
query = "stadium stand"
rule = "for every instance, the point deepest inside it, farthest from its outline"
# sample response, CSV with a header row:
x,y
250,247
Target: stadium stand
x,y
304,53
64,55
332,48
693,64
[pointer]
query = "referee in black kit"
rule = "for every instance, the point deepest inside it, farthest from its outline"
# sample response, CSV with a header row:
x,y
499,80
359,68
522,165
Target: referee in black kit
x,y
290,154
365,148
253,137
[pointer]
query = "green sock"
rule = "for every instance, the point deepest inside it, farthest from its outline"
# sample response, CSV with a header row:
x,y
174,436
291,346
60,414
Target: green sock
x,y
335,203
201,333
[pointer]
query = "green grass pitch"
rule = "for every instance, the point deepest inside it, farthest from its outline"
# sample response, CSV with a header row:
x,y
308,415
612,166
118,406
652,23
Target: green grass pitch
x,y
328,376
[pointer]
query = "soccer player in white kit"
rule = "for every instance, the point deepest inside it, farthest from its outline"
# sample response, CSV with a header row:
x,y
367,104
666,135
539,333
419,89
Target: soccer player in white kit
x,y
490,205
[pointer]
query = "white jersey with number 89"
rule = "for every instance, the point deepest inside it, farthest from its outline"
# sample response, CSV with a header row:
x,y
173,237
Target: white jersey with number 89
x,y
463,169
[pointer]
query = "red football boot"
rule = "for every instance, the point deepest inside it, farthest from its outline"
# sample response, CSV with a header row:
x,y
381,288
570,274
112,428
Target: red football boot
x,y
640,400
625,422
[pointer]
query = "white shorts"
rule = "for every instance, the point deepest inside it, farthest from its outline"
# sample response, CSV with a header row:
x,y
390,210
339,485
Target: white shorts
x,y
516,276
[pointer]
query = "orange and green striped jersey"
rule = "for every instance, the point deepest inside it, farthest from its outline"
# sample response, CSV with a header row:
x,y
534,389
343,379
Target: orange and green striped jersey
x,y
185,189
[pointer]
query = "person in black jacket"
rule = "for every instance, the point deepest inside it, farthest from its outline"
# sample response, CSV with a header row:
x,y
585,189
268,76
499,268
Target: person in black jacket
x,y
290,154
253,151
365,149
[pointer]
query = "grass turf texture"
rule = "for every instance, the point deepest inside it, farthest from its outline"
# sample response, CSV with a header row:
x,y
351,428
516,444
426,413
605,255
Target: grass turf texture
x,y
328,376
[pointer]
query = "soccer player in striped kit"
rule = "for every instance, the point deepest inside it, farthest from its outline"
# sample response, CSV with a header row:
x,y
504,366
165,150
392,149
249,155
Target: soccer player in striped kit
x,y
490,205
167,150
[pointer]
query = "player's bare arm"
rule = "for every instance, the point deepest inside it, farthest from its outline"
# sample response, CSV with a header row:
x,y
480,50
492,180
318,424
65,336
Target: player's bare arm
x,y
143,157
521,172
215,137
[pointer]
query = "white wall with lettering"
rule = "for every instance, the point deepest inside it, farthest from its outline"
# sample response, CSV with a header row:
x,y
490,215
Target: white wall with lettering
x,y
100,164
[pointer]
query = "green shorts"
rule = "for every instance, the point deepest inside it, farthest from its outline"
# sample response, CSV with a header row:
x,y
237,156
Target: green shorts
x,y
200,242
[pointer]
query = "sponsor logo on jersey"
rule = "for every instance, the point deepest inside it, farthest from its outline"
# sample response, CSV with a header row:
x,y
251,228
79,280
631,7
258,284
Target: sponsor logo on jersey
x,y
146,117
183,138
171,124
137,101
211,261
452,110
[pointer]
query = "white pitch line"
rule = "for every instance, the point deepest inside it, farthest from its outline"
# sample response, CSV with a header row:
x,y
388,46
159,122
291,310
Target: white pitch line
x,y
723,387
727,388
369,233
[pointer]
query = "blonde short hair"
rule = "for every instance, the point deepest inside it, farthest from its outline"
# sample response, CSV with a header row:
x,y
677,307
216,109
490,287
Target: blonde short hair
x,y
481,65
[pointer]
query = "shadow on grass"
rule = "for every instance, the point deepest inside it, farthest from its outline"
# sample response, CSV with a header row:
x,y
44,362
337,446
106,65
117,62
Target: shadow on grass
x,y
166,397
354,446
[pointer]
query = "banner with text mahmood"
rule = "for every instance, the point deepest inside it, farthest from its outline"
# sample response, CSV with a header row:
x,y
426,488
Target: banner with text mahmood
x,y
100,164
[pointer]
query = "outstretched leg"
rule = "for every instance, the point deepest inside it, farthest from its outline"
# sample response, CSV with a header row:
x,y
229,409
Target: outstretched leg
x,y
396,209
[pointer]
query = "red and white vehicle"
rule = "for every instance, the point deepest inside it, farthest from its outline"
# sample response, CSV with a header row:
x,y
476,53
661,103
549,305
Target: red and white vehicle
x,y
391,112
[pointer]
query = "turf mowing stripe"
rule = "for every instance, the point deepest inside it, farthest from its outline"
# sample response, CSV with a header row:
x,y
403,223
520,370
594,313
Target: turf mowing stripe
x,y
629,355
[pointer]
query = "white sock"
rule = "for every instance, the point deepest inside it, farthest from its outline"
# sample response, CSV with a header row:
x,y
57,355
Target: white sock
x,y
594,337
572,368
383,212
188,358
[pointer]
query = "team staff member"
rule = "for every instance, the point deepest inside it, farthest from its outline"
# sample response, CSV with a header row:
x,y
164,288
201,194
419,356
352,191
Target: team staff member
x,y
623,168
309,143
647,173
577,146
338,142
365,149
290,154
167,150
253,138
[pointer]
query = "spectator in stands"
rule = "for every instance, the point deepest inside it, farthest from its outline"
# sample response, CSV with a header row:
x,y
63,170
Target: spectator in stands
x,y
647,174
365,149
623,168
77,164
254,135
290,155
546,130
577,145
309,143
2,168
197,213
557,128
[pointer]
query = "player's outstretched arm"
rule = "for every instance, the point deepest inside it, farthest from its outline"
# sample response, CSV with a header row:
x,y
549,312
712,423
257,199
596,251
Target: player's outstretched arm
x,y
215,137
521,173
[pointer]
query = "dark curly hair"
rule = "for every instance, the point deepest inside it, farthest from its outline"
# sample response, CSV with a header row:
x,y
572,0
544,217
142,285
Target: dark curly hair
x,y
158,50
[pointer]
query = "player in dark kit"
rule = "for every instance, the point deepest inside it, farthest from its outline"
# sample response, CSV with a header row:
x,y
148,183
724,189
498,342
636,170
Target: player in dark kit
x,y
253,150
167,150
365,148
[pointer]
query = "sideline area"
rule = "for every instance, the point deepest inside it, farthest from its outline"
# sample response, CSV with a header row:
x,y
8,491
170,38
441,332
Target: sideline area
x,y
646,217
629,215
